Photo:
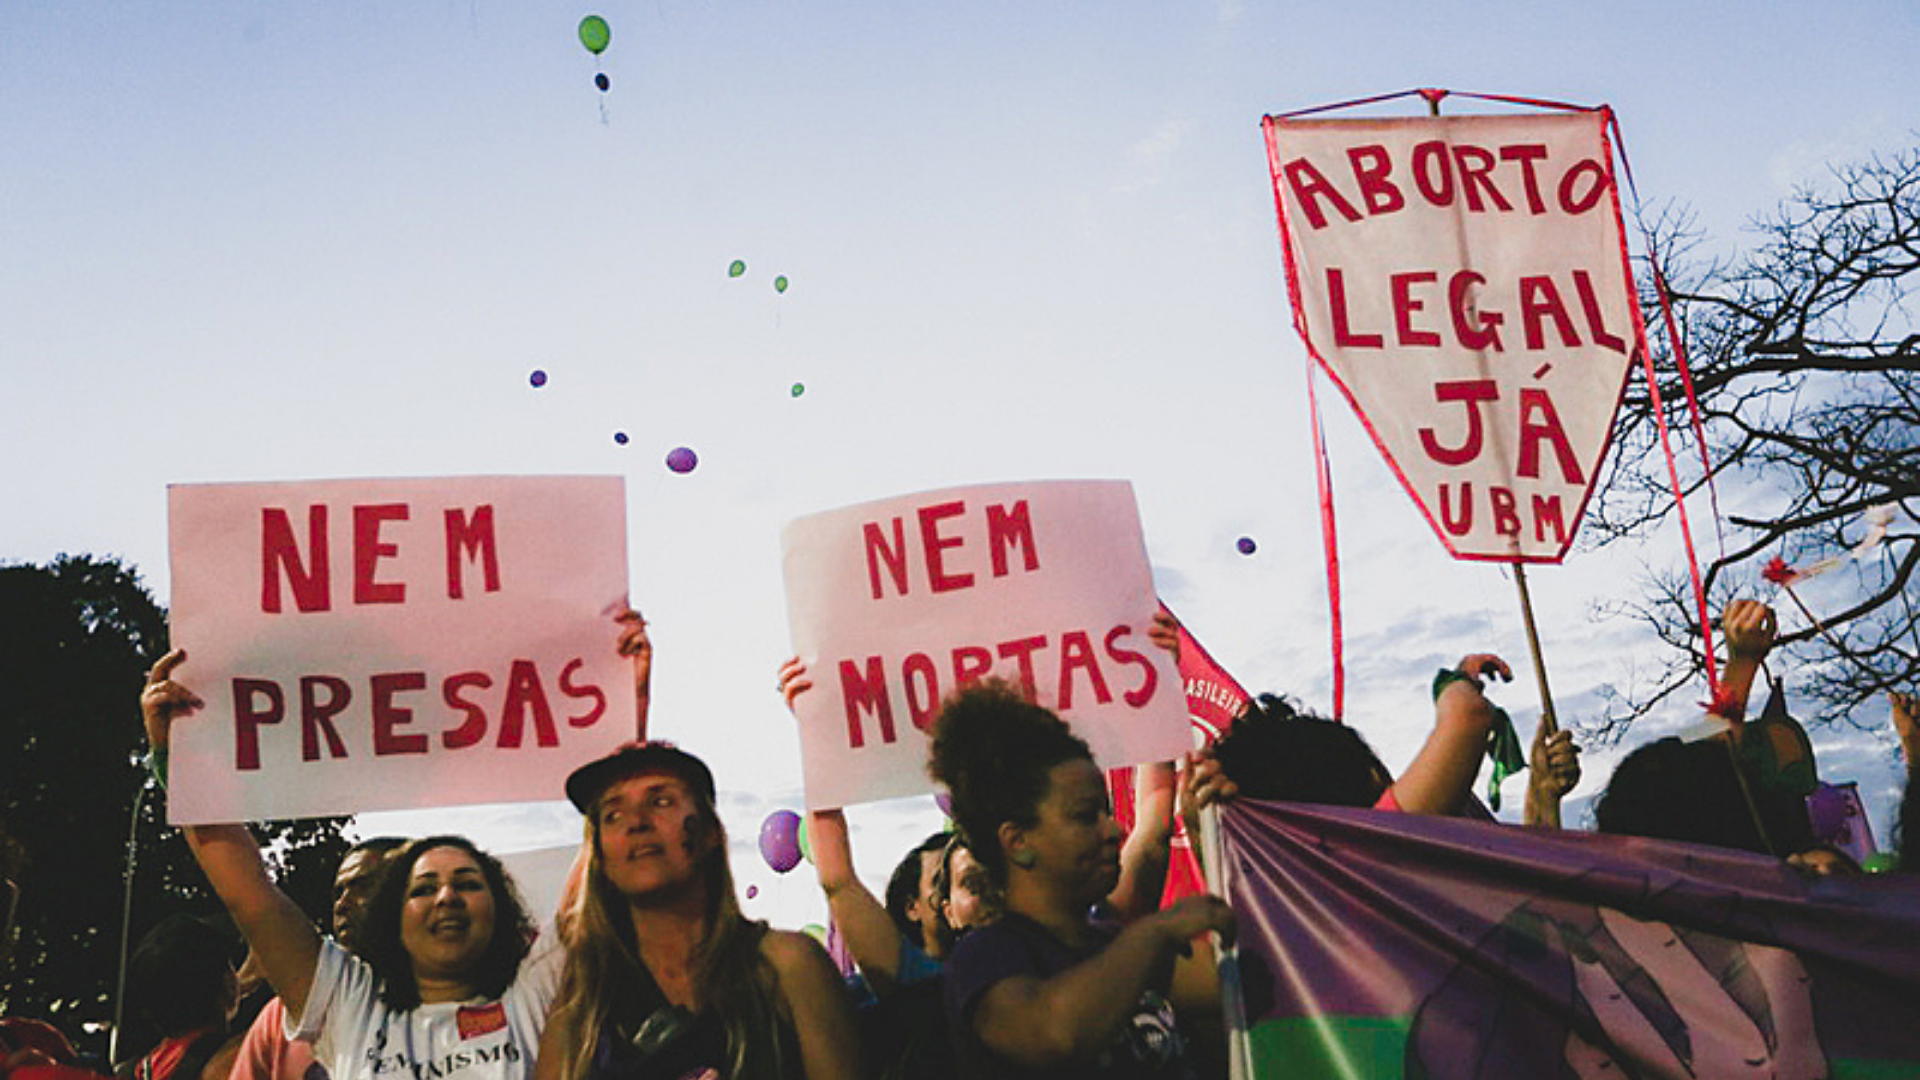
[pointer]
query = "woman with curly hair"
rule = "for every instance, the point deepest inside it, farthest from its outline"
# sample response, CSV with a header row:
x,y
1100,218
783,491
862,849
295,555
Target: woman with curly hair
x,y
1046,989
664,976
447,988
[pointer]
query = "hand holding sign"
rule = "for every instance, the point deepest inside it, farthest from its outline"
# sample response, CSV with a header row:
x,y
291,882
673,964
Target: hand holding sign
x,y
162,701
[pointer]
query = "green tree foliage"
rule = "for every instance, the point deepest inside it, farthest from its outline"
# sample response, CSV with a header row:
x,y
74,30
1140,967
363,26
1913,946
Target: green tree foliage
x,y
1805,354
76,638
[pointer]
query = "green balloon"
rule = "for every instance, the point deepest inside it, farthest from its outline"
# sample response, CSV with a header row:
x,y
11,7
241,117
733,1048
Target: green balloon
x,y
1881,862
780,283
806,842
798,389
595,34
739,267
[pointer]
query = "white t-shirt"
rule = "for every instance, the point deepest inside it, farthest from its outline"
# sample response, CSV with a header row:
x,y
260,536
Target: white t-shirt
x,y
356,1037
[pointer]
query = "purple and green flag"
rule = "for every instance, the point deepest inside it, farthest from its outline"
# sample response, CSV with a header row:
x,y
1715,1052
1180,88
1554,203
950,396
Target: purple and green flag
x,y
1384,945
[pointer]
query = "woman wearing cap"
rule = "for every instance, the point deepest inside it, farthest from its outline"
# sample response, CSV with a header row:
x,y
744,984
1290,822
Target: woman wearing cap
x,y
664,976
447,988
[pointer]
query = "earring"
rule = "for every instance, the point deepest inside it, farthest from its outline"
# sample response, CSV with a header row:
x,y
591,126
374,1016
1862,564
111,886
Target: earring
x,y
1023,859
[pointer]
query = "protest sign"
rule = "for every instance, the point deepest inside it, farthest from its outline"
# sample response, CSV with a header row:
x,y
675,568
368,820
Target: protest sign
x,y
394,644
894,604
1464,281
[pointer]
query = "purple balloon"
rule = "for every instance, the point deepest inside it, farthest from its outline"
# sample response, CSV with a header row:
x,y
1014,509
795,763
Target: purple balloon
x,y
538,378
1245,545
753,891
944,800
682,459
620,438
780,840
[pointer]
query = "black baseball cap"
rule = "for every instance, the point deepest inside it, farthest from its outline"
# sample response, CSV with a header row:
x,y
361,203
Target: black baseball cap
x,y
591,780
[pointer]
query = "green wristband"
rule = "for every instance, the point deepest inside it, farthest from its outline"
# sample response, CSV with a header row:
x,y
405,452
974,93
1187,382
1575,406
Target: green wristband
x,y
157,766
1446,677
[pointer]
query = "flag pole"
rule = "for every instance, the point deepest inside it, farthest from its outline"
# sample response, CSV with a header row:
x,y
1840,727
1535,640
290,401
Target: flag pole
x,y
1549,816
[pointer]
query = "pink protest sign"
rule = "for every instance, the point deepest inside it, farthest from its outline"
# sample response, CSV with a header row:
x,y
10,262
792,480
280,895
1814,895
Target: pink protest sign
x,y
394,644
893,604
1464,281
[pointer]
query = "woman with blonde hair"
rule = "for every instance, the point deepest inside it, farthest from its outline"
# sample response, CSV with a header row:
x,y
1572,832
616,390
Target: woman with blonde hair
x,y
664,976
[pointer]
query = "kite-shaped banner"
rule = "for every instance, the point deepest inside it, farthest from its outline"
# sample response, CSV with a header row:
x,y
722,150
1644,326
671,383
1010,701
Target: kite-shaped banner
x,y
1465,281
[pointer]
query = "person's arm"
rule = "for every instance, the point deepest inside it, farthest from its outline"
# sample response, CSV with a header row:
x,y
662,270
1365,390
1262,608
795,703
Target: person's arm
x,y
1043,1022
276,929
1553,772
822,1013
863,920
1903,709
634,643
1748,628
1437,780
1148,848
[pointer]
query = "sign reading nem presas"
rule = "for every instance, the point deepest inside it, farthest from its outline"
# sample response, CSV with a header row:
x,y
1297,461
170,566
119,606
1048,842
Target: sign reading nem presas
x,y
894,604
1464,280
394,644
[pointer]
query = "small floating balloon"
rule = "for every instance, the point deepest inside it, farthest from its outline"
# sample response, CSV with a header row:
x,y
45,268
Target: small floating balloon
x,y
780,284
739,267
798,389
806,843
944,800
780,840
753,891
600,80
682,459
1246,545
620,438
594,34
538,378
1881,862
815,931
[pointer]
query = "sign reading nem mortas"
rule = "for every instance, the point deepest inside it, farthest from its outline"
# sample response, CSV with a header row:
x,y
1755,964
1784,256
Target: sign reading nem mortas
x,y
393,644
1465,282
894,604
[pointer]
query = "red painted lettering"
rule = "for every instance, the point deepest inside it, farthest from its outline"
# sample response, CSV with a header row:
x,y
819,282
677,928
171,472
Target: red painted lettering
x,y
1021,650
247,718
1007,529
1526,154
866,692
971,663
1405,306
1596,325
587,692
1309,186
1370,167
1580,203
1546,512
278,549
368,550
526,697
1539,422
1337,303
474,727
1076,654
1472,392
933,544
316,716
389,717
1476,329
471,537
1539,298
1505,521
1149,678
1433,172
1462,524
895,557
921,707
1475,163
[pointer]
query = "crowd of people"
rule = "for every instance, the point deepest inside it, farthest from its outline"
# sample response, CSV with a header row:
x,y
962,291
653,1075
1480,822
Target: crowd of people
x,y
1029,940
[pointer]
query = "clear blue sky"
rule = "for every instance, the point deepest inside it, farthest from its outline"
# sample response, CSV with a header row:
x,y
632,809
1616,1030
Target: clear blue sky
x,y
1025,240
